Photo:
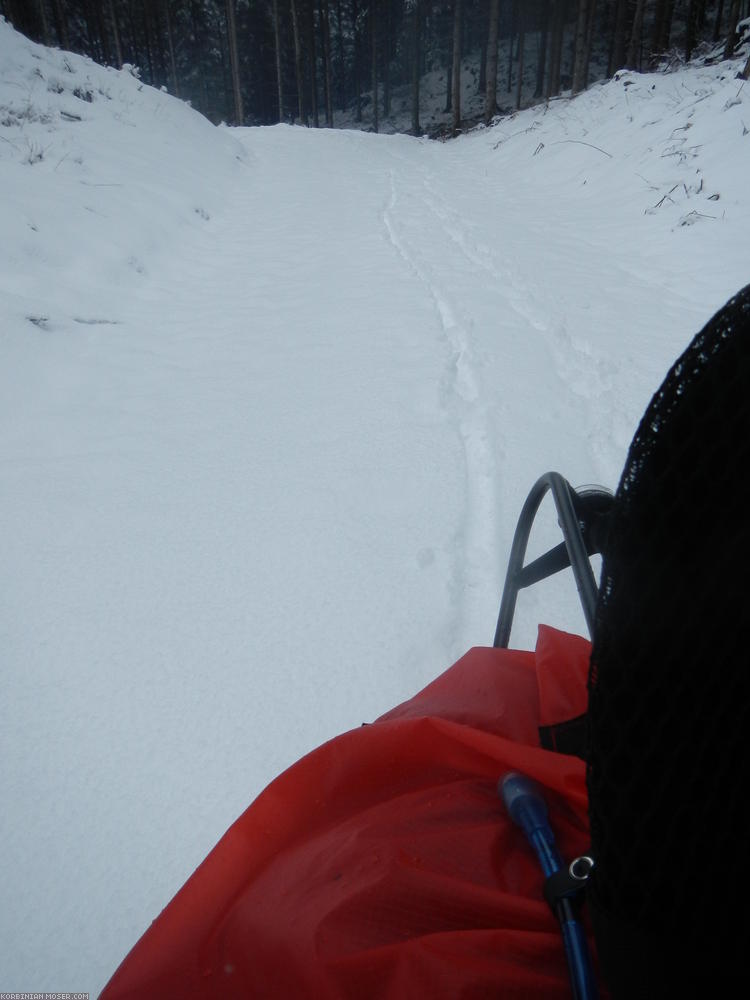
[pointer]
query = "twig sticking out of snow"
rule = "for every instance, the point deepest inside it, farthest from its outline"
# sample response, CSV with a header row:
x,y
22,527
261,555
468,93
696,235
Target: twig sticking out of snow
x,y
582,143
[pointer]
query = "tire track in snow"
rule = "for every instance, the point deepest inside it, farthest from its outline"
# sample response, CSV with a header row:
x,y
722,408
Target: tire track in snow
x,y
474,549
584,374
517,292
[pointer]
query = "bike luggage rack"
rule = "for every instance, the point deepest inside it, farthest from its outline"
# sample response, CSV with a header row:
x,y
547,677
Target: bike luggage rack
x,y
583,516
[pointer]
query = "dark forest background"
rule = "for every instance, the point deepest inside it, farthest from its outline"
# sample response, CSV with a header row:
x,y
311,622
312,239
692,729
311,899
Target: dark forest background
x,y
309,61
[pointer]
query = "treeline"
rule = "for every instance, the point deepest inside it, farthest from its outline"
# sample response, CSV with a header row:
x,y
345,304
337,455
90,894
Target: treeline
x,y
305,61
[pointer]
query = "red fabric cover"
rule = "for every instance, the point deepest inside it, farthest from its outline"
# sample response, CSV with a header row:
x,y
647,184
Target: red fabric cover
x,y
382,864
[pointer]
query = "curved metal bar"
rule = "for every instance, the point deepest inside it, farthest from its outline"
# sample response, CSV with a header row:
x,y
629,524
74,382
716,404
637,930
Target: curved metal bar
x,y
578,544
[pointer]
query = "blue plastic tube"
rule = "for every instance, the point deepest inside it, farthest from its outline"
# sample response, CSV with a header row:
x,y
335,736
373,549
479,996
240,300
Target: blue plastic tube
x,y
527,808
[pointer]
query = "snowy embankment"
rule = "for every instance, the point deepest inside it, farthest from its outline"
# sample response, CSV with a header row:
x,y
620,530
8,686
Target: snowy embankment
x,y
270,401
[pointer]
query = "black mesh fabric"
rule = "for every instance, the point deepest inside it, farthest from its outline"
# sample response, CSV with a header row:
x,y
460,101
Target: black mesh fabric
x,y
669,688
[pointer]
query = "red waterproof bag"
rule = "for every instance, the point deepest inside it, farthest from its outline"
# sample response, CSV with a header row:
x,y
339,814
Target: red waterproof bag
x,y
382,865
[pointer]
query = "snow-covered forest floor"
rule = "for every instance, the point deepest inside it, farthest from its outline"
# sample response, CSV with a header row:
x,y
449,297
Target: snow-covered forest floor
x,y
270,402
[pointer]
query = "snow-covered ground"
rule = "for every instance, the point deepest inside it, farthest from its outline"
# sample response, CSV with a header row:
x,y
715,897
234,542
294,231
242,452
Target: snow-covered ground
x,y
270,402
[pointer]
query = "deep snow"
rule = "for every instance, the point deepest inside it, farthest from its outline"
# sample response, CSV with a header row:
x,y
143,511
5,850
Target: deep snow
x,y
270,402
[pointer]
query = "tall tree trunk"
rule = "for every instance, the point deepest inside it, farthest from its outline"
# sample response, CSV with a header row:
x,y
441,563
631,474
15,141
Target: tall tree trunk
x,y
298,65
667,26
387,61
357,60
619,48
521,41
734,16
61,23
456,88
228,110
482,85
149,36
170,46
589,42
691,29
634,49
386,74
92,41
234,61
135,52
579,68
279,73
541,62
196,20
490,100
44,21
102,33
116,32
556,44
325,31
416,67
341,56
374,41
153,39
657,29
513,23
313,50
717,22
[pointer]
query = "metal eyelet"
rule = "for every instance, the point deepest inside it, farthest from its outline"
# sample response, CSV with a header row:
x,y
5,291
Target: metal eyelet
x,y
580,868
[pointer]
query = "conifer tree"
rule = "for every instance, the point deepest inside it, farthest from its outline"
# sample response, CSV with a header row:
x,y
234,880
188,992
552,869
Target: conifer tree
x,y
456,83
416,65
239,115
490,102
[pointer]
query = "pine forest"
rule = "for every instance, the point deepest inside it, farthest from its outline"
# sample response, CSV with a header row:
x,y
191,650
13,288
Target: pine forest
x,y
362,63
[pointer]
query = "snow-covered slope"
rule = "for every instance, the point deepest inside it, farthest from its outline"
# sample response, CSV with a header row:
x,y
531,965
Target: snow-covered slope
x,y
270,401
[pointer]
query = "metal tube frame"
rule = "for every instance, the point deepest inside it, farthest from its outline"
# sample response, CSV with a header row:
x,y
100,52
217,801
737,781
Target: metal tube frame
x,y
579,542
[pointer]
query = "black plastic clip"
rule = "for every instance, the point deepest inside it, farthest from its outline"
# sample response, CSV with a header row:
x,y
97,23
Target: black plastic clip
x,y
568,883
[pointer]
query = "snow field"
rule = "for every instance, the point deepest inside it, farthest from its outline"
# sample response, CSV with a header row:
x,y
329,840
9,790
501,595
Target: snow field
x,y
270,403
